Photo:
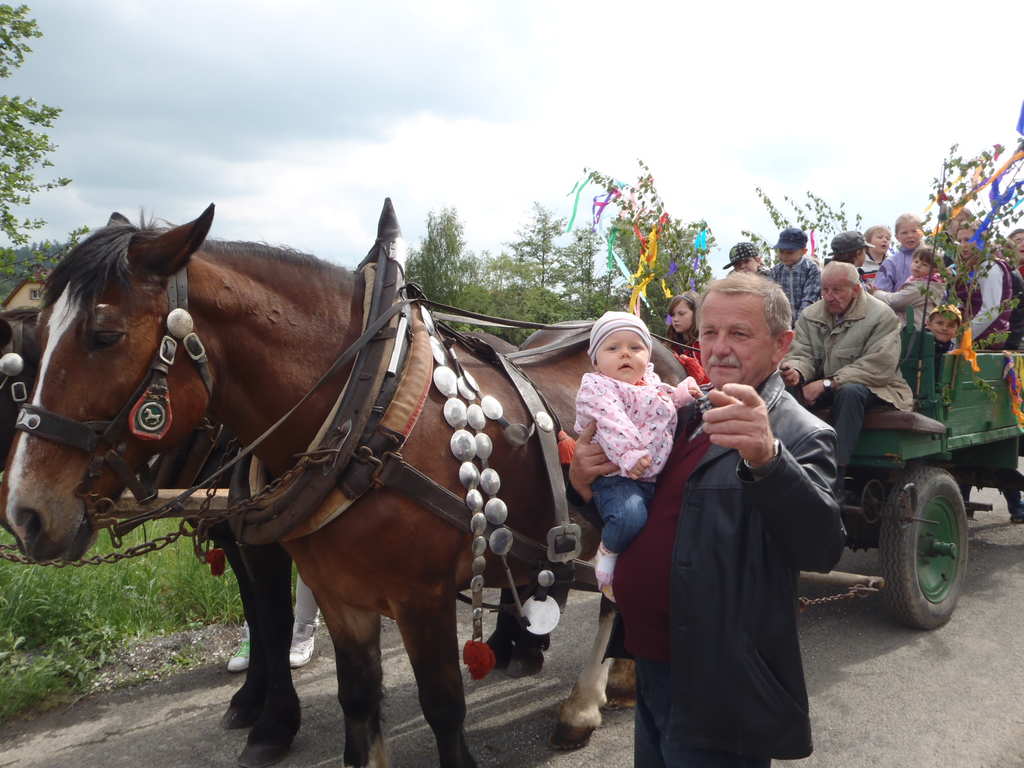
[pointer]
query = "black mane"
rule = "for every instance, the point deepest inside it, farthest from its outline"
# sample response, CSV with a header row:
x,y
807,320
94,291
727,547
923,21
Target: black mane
x,y
102,258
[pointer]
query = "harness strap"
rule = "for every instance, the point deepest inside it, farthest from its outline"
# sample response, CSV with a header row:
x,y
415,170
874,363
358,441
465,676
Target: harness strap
x,y
84,435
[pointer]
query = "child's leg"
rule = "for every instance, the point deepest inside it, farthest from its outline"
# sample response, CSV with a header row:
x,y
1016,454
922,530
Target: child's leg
x,y
622,504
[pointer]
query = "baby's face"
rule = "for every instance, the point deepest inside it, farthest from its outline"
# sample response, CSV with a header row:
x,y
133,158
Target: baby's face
x,y
943,328
623,356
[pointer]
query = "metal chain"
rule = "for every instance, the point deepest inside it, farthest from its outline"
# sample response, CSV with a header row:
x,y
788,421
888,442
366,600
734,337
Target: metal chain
x,y
857,590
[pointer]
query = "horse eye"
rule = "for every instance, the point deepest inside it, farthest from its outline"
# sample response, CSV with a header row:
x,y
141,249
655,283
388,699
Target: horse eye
x,y
104,339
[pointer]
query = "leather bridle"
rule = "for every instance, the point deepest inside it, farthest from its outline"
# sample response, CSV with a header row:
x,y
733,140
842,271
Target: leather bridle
x,y
146,414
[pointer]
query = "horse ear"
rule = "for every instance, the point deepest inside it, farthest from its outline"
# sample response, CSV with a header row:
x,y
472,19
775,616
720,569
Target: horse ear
x,y
5,333
166,254
118,219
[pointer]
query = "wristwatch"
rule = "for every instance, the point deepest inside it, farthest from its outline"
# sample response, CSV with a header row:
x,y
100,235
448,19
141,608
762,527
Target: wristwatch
x,y
767,467
827,384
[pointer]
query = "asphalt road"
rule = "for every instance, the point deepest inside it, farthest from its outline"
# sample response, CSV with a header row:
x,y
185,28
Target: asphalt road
x,y
881,696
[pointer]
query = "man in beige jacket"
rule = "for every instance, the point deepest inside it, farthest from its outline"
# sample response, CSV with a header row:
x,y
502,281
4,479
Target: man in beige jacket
x,y
846,354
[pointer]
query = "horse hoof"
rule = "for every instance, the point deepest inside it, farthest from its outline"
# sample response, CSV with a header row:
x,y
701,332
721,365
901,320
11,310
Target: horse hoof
x,y
619,701
568,737
236,718
525,665
261,755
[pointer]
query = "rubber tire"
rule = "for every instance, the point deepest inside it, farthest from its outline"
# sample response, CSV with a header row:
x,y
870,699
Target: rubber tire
x,y
898,543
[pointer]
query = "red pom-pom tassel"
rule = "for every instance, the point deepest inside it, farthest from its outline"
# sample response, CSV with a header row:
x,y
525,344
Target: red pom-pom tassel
x,y
215,559
479,658
566,448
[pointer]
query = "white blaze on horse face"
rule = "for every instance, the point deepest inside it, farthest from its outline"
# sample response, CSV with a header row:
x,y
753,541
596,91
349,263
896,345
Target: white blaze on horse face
x,y
61,319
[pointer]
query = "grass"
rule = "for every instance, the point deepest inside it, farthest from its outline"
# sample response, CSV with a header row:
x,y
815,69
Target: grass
x,y
58,626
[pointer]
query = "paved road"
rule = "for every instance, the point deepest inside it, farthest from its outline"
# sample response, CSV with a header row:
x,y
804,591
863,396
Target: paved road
x,y
881,696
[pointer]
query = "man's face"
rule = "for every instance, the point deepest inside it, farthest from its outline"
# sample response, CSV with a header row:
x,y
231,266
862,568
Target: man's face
x,y
838,293
943,328
1018,242
969,252
910,235
789,258
736,345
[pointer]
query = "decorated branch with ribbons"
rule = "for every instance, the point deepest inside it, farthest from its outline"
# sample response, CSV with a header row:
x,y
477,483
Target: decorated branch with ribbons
x,y
657,254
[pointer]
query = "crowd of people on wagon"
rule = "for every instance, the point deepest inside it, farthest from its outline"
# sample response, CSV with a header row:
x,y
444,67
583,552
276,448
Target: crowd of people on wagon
x,y
732,488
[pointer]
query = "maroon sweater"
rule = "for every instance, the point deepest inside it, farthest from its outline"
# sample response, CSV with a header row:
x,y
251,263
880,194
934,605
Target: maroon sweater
x,y
643,572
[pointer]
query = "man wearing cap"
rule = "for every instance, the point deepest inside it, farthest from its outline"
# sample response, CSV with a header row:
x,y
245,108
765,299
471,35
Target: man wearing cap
x,y
846,354
746,257
850,248
798,276
707,589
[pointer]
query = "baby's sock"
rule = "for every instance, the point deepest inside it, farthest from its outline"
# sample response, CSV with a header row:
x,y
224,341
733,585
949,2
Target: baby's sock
x,y
605,567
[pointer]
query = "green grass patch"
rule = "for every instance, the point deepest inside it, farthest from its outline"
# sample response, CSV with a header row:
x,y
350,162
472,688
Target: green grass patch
x,y
59,625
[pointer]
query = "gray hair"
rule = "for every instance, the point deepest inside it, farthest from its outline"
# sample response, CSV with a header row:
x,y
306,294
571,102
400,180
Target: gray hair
x,y
845,269
777,312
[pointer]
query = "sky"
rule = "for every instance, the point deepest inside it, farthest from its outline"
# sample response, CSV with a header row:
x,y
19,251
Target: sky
x,y
297,119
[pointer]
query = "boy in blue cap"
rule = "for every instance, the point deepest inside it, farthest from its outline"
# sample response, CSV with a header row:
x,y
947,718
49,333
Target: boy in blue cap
x,y
798,276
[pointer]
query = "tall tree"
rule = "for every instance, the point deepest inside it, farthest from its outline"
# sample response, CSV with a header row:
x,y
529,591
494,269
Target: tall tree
x,y
23,147
441,265
536,243
587,291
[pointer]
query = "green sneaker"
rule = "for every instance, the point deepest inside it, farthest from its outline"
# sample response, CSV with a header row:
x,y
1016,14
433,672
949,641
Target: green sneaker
x,y
240,661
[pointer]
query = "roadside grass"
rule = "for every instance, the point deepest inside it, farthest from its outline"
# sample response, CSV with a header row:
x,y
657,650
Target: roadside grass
x,y
58,626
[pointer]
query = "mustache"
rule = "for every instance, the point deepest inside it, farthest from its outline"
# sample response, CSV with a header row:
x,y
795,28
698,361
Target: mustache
x,y
726,361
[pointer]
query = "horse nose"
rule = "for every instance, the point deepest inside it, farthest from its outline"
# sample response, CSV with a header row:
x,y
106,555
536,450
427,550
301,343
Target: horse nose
x,y
27,525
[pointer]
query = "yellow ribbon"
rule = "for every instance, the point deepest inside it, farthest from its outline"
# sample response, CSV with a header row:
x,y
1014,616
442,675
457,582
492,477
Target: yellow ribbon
x,y
1016,156
665,290
639,290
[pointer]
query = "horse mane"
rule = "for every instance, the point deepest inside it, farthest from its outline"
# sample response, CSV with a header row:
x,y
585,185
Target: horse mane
x,y
102,258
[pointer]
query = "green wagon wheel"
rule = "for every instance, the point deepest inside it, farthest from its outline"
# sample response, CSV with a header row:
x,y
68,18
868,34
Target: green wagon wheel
x,y
923,547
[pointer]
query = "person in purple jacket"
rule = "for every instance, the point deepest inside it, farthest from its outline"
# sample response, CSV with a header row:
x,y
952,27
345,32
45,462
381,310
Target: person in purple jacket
x,y
896,269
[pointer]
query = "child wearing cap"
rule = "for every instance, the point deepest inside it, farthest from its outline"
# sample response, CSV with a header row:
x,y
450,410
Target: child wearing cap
x,y
635,416
925,286
798,276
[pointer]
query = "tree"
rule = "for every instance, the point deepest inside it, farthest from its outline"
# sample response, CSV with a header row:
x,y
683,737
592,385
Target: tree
x,y
587,293
536,243
22,146
441,266
816,216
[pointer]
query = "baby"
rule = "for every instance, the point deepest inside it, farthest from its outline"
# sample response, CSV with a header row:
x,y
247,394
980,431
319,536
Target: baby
x,y
635,415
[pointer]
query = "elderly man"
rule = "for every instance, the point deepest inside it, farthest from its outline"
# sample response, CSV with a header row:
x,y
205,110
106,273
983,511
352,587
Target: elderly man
x,y
846,354
707,589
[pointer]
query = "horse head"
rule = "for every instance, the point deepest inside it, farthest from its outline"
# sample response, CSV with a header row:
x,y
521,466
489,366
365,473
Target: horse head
x,y
105,373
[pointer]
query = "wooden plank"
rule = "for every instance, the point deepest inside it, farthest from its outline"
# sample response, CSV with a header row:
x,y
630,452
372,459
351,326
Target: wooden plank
x,y
129,505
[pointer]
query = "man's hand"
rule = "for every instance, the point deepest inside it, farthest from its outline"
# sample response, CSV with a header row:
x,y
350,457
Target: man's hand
x,y
813,391
739,420
588,463
640,467
790,375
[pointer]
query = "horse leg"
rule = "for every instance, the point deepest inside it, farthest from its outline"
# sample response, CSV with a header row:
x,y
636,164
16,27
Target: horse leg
x,y
518,651
429,632
580,714
621,689
272,698
356,636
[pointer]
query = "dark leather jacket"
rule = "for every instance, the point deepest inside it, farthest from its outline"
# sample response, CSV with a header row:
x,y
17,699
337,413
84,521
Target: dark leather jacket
x,y
737,676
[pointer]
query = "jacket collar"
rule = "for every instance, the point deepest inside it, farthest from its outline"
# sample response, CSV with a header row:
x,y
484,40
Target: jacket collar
x,y
819,313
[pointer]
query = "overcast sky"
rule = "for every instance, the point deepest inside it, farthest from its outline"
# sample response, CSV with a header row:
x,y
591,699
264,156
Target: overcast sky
x,y
298,118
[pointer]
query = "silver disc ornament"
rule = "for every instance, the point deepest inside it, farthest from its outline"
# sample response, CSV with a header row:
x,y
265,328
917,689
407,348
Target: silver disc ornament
x,y
483,445
477,524
490,481
491,407
463,445
471,381
501,541
11,364
475,417
475,500
179,323
543,615
437,350
428,321
479,545
465,390
469,475
545,578
455,413
445,381
544,421
496,511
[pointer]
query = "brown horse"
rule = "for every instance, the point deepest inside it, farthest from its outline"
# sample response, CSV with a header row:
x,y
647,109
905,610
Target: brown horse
x,y
272,321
